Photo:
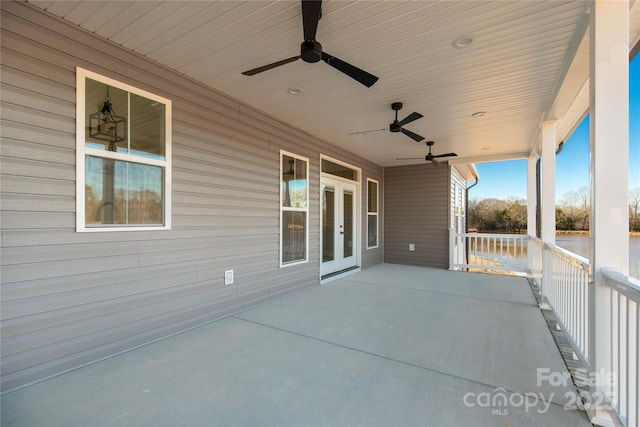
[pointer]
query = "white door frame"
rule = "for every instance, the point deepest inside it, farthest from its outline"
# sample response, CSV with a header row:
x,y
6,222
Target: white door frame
x,y
340,261
357,241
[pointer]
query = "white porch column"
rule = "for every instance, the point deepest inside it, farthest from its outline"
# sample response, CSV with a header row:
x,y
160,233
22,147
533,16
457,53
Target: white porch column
x,y
532,197
548,198
609,150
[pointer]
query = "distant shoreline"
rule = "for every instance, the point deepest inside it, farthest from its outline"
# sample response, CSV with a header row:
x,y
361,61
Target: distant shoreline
x,y
561,232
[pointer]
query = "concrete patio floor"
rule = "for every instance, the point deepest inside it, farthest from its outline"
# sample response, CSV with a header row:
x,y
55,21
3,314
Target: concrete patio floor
x,y
390,345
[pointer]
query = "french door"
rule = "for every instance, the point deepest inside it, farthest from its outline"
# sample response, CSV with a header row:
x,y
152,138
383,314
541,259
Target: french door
x,y
339,244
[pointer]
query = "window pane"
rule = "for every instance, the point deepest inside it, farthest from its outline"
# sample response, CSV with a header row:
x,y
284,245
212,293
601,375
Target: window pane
x,y
98,134
372,230
328,224
118,192
294,182
294,236
347,206
147,127
339,170
372,196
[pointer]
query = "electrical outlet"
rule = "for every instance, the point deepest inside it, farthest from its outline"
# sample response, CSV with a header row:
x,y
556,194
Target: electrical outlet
x,y
228,277
412,247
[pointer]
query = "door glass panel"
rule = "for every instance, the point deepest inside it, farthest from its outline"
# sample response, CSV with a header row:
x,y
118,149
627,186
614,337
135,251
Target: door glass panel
x,y
328,223
348,223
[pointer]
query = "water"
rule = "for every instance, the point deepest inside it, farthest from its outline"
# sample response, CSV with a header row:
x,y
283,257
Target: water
x,y
579,245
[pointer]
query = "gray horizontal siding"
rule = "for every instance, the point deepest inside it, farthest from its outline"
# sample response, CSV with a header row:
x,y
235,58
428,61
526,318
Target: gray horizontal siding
x,y
72,298
416,211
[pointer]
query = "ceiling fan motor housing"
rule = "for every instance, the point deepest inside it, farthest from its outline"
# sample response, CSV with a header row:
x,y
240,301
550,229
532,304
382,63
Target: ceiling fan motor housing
x,y
311,51
395,126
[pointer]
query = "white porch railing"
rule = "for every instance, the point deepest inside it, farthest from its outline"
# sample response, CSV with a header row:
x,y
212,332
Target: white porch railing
x,y
569,290
625,346
490,252
566,289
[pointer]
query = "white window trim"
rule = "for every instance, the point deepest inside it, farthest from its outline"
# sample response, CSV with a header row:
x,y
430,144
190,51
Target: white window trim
x,y
82,151
282,209
376,213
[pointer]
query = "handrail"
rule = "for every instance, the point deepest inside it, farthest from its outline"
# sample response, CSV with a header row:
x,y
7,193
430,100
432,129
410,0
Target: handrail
x,y
575,259
494,235
625,285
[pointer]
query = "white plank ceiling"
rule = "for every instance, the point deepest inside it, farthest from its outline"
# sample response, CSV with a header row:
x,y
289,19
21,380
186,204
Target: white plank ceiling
x,y
511,70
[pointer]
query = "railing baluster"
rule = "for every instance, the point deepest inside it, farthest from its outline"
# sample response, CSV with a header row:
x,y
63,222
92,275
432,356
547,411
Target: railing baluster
x,y
626,346
637,334
614,332
617,346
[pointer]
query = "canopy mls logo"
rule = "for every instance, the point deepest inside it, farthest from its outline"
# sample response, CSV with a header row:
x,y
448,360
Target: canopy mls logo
x,y
500,400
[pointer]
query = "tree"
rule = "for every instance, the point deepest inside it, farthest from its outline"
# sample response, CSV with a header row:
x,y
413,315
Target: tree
x,y
572,213
634,209
575,210
564,219
493,215
518,213
473,214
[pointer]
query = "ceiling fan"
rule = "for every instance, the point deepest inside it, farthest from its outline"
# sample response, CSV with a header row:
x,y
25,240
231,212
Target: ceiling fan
x,y
429,157
311,49
397,126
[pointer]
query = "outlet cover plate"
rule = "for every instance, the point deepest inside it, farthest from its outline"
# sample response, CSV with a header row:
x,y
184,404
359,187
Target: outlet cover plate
x,y
228,277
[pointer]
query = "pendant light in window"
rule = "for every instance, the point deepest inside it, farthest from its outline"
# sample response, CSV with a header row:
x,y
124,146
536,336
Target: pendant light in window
x,y
106,125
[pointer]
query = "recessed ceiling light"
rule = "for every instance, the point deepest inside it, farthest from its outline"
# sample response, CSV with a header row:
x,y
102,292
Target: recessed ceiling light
x,y
462,42
479,114
294,91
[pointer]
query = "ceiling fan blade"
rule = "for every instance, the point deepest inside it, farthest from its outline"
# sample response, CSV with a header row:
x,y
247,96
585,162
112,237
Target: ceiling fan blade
x,y
409,158
447,155
414,136
311,10
354,72
270,66
435,162
411,117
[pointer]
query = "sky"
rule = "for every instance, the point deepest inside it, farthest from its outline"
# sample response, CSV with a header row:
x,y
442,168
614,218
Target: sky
x,y
503,180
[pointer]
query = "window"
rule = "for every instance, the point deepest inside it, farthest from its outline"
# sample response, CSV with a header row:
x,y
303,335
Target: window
x,y
123,158
294,196
341,170
372,214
